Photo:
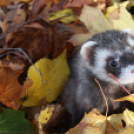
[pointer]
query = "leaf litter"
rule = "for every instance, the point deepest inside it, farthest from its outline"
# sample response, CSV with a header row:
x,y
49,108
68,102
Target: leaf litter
x,y
37,37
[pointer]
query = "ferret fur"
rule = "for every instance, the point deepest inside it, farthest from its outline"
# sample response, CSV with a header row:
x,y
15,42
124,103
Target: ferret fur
x,y
92,61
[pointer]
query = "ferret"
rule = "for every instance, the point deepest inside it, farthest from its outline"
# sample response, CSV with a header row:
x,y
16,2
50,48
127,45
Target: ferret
x,y
107,52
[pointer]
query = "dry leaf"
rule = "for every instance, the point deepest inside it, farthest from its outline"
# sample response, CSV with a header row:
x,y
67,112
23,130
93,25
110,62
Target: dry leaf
x,y
10,89
127,98
92,25
47,42
125,20
5,3
53,118
59,122
54,72
94,122
4,27
118,121
110,9
100,25
61,14
42,8
19,17
80,3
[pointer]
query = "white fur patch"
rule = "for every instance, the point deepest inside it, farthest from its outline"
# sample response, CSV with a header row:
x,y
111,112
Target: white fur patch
x,y
100,63
86,46
127,76
128,30
130,41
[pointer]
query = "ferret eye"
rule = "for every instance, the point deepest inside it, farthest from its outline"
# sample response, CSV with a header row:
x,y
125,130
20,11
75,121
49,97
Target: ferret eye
x,y
113,64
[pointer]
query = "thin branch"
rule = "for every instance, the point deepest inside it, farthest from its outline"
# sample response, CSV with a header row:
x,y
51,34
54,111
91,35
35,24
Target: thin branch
x,y
11,30
103,95
22,51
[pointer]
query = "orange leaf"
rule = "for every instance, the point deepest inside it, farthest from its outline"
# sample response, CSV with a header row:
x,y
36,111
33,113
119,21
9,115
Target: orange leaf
x,y
10,88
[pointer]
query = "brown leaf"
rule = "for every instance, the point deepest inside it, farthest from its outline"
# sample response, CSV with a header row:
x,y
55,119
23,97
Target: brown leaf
x,y
38,43
74,27
43,102
80,3
59,122
19,17
4,27
35,25
12,65
5,3
10,88
42,8
37,6
10,16
16,15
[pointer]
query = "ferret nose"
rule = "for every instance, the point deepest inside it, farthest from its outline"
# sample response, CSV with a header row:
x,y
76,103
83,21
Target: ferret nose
x,y
133,71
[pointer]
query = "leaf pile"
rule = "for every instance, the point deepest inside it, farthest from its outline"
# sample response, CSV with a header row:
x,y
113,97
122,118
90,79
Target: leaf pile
x,y
37,38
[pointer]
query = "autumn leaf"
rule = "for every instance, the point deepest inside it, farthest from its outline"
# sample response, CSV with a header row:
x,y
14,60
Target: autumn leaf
x,y
92,25
5,3
127,118
19,17
60,14
53,118
111,9
100,25
48,42
12,121
125,20
4,27
17,14
80,3
94,122
42,8
10,88
127,98
54,72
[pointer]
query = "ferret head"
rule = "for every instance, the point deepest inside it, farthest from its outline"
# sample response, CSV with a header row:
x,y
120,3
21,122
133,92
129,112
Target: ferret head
x,y
110,52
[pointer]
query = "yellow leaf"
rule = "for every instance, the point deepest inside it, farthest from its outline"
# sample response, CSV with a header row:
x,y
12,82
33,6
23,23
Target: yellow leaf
x,y
128,98
125,20
93,122
128,117
94,20
63,13
54,72
127,131
116,121
44,117
115,6
46,114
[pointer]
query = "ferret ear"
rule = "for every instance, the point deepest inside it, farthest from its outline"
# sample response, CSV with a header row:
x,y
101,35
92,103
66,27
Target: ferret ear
x,y
128,30
86,50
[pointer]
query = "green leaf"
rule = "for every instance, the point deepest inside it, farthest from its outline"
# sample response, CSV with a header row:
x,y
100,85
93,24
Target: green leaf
x,y
12,121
